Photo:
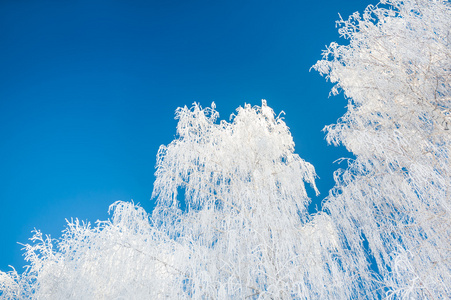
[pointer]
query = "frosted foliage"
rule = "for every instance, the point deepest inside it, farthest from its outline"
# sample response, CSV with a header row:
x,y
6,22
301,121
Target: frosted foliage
x,y
230,165
396,72
245,232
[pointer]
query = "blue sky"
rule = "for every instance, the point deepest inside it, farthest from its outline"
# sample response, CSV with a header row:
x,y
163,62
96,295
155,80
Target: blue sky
x,y
88,91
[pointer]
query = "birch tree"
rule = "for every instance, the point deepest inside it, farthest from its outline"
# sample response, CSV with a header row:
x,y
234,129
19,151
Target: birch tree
x,y
246,226
396,73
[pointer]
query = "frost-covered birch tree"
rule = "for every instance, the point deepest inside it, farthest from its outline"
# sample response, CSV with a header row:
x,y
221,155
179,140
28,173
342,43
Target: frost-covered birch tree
x,y
396,195
246,227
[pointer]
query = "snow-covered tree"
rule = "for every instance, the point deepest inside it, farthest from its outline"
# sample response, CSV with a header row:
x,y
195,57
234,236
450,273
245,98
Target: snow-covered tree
x,y
246,227
122,258
396,195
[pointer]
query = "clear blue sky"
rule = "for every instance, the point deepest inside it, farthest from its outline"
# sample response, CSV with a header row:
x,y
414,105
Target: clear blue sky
x,y
88,91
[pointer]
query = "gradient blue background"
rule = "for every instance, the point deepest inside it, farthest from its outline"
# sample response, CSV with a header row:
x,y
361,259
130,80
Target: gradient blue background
x,y
88,91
